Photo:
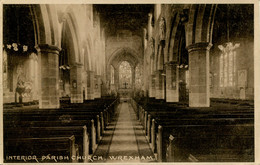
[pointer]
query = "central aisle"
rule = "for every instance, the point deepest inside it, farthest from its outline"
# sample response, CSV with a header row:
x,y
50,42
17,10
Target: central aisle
x,y
124,140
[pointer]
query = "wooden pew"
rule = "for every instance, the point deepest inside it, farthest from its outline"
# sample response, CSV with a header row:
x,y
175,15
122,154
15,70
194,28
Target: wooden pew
x,y
52,115
34,117
39,148
80,134
181,127
23,124
60,122
207,142
176,115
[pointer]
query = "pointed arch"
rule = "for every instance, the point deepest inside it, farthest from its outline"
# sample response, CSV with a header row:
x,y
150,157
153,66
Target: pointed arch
x,y
87,45
176,41
200,24
124,53
73,28
69,29
45,24
173,31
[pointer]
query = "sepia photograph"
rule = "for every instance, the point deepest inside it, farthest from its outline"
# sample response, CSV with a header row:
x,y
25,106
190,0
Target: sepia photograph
x,y
160,82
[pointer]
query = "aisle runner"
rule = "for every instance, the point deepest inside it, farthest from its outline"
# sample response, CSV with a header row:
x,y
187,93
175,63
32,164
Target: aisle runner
x,y
124,144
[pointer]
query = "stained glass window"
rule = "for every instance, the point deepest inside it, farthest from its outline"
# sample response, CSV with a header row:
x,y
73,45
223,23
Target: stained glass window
x,y
125,75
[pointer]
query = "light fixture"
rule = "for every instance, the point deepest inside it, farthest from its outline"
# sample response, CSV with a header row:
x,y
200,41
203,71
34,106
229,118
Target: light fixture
x,y
25,48
163,74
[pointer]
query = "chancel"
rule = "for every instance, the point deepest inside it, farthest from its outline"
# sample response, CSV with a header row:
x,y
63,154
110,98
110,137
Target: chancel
x,y
105,83
125,84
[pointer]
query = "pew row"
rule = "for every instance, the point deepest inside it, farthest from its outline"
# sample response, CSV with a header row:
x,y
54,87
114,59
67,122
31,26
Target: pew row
x,y
170,127
40,149
69,121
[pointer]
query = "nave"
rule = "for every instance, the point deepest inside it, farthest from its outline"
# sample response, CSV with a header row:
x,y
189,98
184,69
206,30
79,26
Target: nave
x,y
171,81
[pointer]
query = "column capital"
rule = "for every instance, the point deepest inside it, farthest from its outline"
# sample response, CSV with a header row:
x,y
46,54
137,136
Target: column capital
x,y
48,48
77,65
199,46
158,71
90,71
171,63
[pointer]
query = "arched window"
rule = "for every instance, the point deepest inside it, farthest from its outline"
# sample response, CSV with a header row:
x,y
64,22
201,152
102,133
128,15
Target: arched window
x,y
125,75
227,65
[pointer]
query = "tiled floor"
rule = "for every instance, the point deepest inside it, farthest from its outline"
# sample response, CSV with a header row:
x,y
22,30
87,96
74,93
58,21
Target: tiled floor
x,y
124,140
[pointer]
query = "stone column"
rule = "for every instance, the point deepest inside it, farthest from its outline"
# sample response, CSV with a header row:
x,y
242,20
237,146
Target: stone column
x,y
90,85
48,76
76,84
116,74
84,84
159,84
199,74
172,82
152,85
133,82
97,86
33,74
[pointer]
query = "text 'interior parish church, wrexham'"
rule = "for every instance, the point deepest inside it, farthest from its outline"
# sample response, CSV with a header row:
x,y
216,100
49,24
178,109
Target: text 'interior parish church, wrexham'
x,y
128,83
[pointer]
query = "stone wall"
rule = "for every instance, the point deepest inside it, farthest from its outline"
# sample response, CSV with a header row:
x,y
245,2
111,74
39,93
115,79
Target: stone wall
x,y
124,40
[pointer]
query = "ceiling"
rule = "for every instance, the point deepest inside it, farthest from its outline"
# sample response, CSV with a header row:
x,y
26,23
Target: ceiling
x,y
116,17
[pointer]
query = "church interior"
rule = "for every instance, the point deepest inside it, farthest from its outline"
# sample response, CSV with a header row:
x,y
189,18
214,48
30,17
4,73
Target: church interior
x,y
128,83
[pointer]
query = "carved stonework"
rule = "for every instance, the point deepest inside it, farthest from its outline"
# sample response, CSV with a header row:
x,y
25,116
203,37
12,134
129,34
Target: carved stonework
x,y
184,16
162,31
24,86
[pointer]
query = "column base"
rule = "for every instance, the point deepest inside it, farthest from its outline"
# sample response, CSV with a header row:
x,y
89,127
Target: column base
x,y
159,85
76,84
198,100
76,98
172,96
90,86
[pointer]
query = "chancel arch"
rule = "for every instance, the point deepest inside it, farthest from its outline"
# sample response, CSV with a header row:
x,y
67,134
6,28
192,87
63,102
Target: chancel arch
x,y
130,60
